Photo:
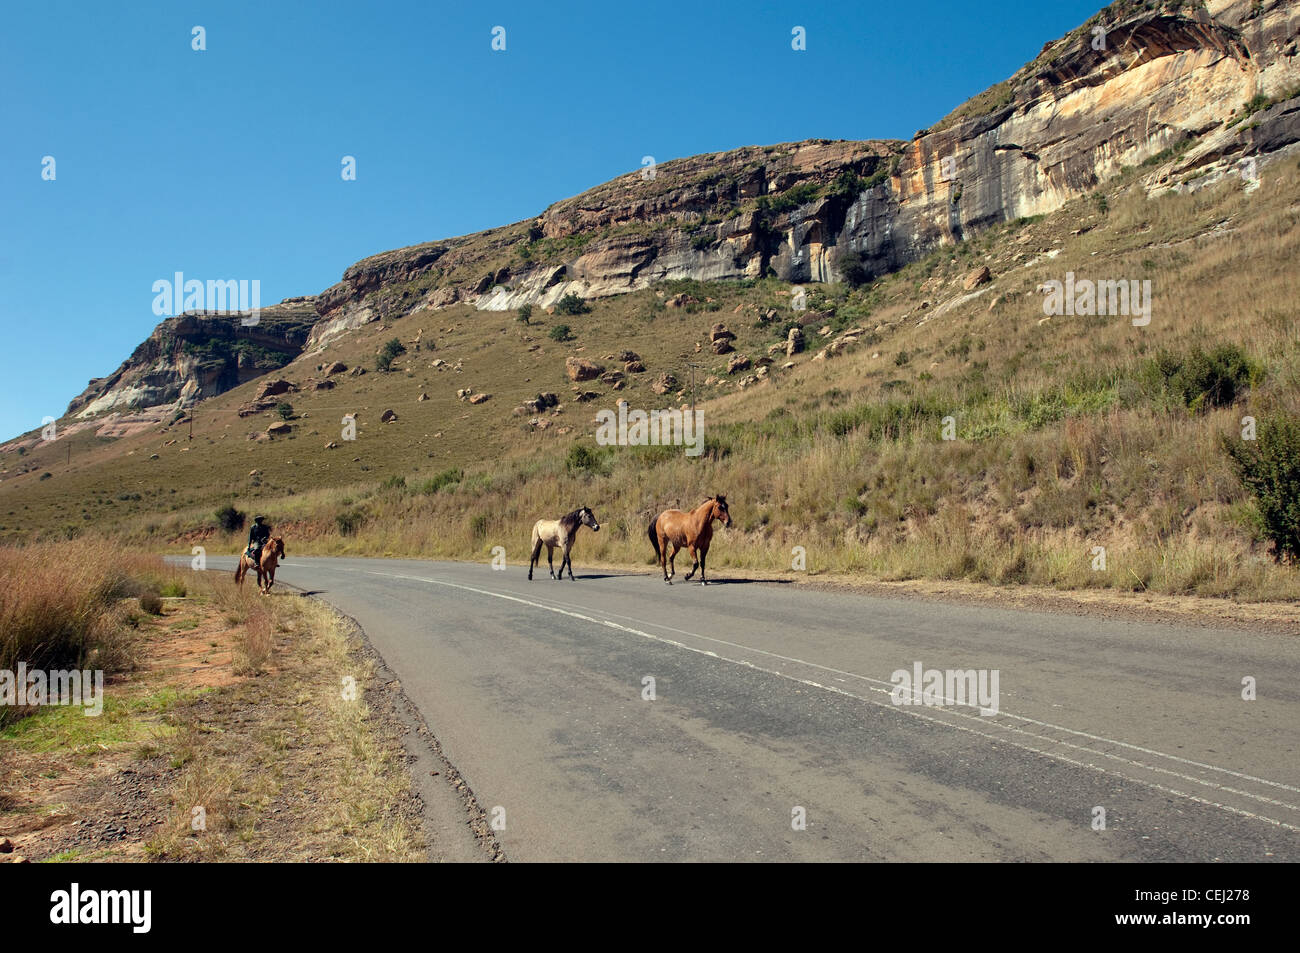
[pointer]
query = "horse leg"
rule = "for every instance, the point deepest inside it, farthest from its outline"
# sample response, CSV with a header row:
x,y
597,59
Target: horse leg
x,y
663,556
537,554
703,552
695,564
672,562
550,559
567,561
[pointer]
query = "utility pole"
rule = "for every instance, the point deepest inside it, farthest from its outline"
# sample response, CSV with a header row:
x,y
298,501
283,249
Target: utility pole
x,y
191,426
692,366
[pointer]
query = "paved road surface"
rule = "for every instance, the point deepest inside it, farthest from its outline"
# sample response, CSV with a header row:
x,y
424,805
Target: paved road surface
x,y
769,698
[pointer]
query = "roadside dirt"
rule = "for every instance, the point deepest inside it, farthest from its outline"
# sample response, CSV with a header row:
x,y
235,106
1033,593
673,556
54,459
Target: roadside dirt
x,y
283,764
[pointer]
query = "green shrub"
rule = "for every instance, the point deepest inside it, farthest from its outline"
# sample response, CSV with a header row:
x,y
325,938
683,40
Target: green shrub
x,y
582,457
442,480
349,521
561,332
174,588
230,519
394,482
1202,380
151,602
524,314
388,353
284,409
572,304
1270,468
852,267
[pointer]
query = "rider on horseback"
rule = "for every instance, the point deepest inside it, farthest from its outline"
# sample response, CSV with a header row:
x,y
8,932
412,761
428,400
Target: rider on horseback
x,y
258,534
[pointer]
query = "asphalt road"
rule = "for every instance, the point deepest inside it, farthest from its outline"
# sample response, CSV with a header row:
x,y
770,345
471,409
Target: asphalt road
x,y
773,702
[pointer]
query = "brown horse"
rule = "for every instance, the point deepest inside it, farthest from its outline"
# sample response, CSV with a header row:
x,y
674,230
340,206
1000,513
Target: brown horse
x,y
693,530
272,553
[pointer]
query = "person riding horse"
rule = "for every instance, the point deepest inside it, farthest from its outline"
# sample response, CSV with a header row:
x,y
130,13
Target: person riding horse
x,y
258,534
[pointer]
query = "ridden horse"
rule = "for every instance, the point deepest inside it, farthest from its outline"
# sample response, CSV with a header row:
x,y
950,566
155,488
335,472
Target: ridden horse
x,y
272,553
693,530
561,532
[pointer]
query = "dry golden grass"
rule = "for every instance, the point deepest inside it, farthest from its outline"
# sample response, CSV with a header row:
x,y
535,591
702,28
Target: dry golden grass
x,y
1063,443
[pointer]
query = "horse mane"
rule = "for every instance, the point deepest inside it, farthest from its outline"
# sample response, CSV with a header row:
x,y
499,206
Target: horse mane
x,y
572,520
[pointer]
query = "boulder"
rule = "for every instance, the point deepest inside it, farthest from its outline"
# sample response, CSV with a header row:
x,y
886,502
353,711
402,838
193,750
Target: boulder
x,y
739,363
274,389
626,356
634,367
680,301
664,383
719,332
280,429
337,367
388,416
794,342
722,346
976,278
581,369
480,398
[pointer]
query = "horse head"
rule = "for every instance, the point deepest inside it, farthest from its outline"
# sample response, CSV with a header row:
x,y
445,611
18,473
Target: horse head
x,y
277,544
587,518
720,511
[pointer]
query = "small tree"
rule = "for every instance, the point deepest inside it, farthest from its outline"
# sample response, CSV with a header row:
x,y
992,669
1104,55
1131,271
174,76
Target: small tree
x,y
524,314
1270,468
561,332
388,353
572,304
284,409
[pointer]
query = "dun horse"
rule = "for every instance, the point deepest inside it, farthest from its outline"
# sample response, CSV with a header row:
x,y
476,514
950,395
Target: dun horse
x,y
694,530
272,553
561,532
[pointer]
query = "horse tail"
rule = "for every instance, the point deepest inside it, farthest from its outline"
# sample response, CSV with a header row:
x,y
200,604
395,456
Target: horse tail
x,y
654,535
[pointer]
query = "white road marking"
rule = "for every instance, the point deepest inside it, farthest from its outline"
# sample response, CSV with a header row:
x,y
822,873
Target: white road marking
x,y
908,711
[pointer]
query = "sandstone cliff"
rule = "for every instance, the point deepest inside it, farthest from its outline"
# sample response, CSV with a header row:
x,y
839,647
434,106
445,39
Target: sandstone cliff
x,y
196,355
1140,83
1185,90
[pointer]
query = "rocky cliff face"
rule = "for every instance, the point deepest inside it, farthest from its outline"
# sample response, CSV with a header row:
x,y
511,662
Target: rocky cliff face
x,y
1140,83
1184,90
196,355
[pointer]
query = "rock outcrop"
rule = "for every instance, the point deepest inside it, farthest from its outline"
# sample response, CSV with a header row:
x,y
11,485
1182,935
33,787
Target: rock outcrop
x,y
195,355
1186,93
1131,86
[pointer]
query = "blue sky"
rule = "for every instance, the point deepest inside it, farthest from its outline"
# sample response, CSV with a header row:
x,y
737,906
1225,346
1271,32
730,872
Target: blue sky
x,y
225,163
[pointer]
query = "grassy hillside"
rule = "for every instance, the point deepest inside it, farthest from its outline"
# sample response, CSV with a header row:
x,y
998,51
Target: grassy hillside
x,y
1071,432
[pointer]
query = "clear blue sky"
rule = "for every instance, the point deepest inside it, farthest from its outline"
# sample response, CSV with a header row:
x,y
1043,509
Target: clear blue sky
x,y
225,163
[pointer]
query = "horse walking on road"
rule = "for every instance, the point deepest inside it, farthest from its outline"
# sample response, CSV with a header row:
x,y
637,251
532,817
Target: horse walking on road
x,y
561,533
694,530
272,553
